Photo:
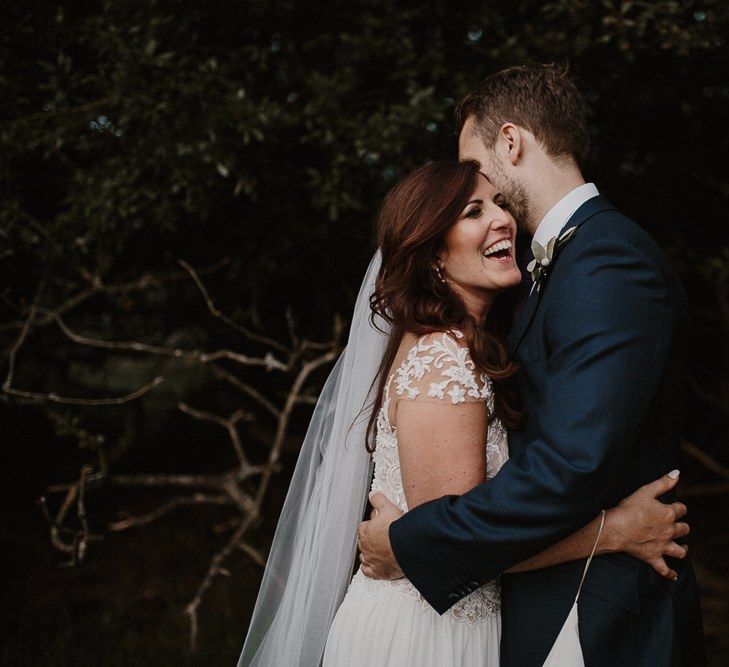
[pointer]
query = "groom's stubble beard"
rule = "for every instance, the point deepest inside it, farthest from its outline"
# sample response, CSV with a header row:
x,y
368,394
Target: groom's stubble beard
x,y
515,194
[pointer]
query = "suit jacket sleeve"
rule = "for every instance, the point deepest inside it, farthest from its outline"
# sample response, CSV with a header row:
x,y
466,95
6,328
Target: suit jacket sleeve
x,y
610,327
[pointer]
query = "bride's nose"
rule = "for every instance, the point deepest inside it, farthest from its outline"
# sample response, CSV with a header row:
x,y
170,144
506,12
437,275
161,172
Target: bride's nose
x,y
501,220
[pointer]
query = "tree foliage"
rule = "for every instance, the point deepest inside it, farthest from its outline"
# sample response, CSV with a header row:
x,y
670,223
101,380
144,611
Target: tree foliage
x,y
270,130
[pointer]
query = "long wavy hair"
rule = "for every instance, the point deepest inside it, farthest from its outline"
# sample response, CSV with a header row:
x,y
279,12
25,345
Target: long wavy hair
x,y
411,227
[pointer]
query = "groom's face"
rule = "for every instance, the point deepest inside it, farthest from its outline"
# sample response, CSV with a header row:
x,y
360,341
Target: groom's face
x,y
472,147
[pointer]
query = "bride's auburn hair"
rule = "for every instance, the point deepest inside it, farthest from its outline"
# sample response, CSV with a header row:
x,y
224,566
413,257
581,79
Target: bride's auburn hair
x,y
409,295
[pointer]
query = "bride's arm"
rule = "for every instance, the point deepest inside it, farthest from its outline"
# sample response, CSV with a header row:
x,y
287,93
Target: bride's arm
x,y
441,446
640,525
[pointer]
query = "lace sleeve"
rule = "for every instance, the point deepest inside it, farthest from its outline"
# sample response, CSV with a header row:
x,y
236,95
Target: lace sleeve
x,y
439,368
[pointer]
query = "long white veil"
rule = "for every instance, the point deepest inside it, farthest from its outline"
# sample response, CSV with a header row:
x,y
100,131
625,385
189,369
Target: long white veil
x,y
312,556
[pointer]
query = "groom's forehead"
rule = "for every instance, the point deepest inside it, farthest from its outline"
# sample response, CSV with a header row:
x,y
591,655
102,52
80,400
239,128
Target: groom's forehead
x,y
470,144
467,130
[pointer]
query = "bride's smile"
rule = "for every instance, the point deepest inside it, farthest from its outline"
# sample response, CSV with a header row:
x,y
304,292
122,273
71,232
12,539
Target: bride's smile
x,y
501,250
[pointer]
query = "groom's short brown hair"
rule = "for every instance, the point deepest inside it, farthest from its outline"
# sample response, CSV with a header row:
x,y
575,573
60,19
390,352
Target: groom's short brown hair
x,y
539,98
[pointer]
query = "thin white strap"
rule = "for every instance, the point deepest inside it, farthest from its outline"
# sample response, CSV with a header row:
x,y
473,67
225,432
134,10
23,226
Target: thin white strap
x,y
589,560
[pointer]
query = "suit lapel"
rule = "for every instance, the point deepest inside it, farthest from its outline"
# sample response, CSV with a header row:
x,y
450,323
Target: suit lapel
x,y
523,321
590,208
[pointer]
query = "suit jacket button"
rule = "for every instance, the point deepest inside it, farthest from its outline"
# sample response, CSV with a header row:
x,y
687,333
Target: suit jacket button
x,y
475,584
453,596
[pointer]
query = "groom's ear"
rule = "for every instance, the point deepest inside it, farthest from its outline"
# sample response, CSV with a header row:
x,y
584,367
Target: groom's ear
x,y
512,141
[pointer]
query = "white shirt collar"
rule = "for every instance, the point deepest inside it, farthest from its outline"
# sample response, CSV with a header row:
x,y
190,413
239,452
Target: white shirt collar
x,y
562,211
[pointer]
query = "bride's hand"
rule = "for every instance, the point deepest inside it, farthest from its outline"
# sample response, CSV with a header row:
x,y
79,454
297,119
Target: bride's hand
x,y
644,527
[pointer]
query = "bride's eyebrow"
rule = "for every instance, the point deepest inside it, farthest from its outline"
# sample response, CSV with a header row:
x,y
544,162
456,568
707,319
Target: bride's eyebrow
x,y
475,201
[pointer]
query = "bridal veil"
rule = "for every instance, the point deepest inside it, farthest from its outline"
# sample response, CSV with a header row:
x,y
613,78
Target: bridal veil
x,y
312,556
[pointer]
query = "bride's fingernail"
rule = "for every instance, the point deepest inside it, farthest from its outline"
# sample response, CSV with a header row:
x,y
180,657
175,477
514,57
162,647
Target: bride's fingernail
x,y
674,474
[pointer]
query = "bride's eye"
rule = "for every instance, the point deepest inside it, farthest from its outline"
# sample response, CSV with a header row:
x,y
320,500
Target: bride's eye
x,y
474,212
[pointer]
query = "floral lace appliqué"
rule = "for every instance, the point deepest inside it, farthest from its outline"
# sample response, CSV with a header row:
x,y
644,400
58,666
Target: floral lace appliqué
x,y
442,352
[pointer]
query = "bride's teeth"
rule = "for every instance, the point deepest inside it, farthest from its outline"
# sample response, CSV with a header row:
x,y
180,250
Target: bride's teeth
x,y
501,245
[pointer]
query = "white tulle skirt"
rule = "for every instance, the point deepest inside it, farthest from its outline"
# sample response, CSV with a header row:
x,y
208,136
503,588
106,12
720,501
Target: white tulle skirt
x,y
383,623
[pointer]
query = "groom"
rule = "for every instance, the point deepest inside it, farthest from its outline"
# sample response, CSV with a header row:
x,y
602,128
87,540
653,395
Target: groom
x,y
600,347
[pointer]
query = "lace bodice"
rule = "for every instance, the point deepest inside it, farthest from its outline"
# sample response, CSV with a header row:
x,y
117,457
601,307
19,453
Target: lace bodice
x,y
438,368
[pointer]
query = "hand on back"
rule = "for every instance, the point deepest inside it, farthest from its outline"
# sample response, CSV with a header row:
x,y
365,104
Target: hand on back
x,y
646,528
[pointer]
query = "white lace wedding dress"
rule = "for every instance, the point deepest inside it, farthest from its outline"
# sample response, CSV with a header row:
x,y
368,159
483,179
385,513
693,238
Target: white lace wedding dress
x,y
381,623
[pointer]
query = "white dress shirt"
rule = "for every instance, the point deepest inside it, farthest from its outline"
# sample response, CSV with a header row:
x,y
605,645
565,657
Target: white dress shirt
x,y
562,211
557,216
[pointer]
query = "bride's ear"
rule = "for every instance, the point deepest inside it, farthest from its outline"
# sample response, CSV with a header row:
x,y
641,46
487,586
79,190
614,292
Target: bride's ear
x,y
440,261
438,266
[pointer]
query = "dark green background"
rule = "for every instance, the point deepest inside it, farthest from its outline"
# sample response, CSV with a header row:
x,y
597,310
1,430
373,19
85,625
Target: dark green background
x,y
265,134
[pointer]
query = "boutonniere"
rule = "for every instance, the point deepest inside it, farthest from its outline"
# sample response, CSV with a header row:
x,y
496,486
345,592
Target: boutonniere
x,y
544,256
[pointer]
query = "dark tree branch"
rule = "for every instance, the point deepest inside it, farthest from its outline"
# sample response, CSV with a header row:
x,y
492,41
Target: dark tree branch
x,y
224,318
173,503
243,488
269,362
707,461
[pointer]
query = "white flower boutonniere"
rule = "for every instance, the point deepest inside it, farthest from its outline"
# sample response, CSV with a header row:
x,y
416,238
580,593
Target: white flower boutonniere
x,y
544,256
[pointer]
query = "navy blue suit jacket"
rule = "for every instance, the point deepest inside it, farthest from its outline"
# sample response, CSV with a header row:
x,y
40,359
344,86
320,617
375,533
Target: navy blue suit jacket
x,y
600,349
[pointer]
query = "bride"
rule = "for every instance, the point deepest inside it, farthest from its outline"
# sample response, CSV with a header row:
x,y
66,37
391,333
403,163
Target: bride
x,y
423,392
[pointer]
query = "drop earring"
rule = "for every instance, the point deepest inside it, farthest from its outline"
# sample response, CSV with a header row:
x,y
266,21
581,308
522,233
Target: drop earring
x,y
439,274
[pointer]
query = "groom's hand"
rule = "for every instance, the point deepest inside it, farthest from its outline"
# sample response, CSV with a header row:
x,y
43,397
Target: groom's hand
x,y
644,527
373,537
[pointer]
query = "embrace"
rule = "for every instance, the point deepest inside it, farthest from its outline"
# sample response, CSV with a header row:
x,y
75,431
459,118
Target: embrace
x,y
513,416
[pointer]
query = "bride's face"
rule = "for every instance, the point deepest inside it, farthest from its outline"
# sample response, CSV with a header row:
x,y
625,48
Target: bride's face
x,y
480,247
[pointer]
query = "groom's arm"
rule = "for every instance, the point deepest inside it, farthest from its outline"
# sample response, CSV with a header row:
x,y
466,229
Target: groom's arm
x,y
610,335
